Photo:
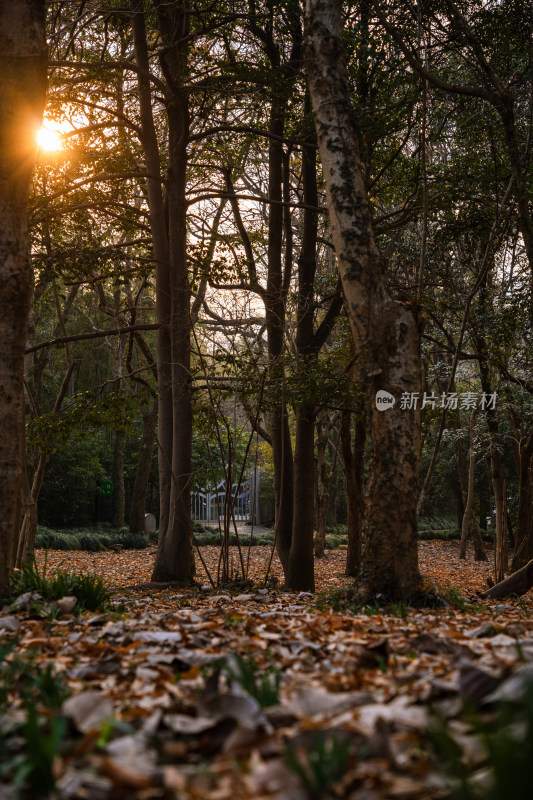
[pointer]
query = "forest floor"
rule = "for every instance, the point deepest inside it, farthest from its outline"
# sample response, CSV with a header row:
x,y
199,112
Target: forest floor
x,y
255,692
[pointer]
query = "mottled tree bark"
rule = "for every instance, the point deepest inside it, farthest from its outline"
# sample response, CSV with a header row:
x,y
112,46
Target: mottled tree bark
x,y
385,330
23,60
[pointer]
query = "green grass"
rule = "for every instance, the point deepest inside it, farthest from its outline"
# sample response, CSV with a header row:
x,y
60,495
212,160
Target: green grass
x,y
89,589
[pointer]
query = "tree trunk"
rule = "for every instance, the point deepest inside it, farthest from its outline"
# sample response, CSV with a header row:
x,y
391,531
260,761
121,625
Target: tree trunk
x,y
158,228
274,299
22,95
300,567
524,522
322,486
354,468
518,584
466,475
469,502
175,557
386,331
142,474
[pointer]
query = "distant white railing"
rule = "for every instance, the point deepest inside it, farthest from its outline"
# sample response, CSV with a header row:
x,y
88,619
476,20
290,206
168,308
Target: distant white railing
x,y
207,505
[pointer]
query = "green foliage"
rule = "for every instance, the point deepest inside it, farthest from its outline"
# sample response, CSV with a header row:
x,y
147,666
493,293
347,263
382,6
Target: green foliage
x,y
507,743
321,766
438,527
263,684
214,538
89,589
90,541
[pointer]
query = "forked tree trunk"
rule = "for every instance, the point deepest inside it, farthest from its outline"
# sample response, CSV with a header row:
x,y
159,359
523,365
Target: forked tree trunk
x,y
386,331
22,94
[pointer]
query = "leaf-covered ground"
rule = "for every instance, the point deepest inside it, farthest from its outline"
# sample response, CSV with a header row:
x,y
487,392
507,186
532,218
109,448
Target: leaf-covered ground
x,y
174,695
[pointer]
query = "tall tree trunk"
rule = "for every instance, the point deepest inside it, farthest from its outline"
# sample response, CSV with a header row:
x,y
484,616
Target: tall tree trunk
x,y
385,330
22,94
524,524
275,325
158,228
300,567
175,557
142,473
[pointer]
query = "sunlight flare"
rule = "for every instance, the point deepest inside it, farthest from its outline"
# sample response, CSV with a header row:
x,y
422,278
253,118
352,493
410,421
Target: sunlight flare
x,y
48,140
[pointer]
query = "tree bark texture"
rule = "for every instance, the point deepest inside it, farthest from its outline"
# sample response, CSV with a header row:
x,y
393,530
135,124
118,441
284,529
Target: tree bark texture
x,y
23,59
353,459
385,331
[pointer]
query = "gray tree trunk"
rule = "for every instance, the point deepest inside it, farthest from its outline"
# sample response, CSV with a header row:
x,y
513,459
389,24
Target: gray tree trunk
x,y
385,330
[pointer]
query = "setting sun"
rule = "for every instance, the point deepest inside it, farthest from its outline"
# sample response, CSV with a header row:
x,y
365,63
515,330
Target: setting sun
x,y
48,140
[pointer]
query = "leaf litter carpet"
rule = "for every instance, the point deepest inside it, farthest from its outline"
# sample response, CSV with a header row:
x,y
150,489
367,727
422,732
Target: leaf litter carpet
x,y
155,711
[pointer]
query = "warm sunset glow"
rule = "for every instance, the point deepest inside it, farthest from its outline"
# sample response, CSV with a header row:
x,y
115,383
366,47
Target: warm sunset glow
x,y
48,140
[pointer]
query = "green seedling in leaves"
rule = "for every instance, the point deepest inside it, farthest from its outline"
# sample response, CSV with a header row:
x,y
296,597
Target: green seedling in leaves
x,y
263,684
42,741
321,766
507,741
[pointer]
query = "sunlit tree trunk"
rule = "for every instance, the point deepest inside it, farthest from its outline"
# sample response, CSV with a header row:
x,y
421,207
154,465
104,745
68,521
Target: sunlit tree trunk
x,y
22,94
386,331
